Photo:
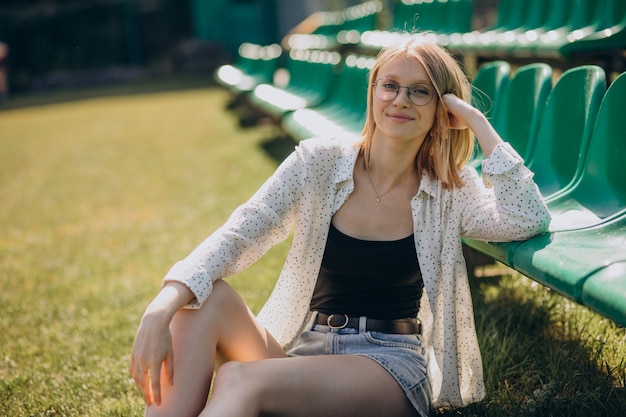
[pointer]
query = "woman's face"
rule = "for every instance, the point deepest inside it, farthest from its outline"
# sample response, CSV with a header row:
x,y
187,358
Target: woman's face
x,y
400,118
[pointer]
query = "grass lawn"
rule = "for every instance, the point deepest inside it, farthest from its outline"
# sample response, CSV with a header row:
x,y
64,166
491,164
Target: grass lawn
x,y
101,195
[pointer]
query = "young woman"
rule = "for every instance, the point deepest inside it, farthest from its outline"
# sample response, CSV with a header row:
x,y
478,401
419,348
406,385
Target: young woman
x,y
377,228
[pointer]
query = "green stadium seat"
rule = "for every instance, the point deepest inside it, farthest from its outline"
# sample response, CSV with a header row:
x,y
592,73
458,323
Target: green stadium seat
x,y
563,261
487,88
600,192
557,153
605,292
311,73
522,105
458,22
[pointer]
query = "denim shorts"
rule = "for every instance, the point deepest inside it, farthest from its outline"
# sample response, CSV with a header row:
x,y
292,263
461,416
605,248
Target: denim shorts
x,y
402,355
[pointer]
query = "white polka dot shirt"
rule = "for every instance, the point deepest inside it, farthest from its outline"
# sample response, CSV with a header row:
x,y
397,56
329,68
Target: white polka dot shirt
x,y
312,184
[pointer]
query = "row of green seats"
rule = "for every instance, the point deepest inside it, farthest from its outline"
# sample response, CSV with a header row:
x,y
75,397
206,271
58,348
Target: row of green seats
x,y
310,74
441,18
339,28
342,114
571,137
555,28
529,28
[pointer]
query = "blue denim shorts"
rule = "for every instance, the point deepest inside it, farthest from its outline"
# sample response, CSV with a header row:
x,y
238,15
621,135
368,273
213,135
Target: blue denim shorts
x,y
402,355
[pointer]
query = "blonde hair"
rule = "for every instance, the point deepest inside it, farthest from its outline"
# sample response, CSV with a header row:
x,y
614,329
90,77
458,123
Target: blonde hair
x,y
442,157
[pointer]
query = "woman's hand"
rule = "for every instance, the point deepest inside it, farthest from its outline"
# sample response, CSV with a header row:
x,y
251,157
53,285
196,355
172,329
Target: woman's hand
x,y
153,342
152,350
458,111
462,115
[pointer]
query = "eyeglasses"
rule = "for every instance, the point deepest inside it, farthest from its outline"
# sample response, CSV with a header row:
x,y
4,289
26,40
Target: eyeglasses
x,y
419,94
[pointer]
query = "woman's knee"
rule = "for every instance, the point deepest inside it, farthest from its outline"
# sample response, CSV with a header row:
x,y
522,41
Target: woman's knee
x,y
236,376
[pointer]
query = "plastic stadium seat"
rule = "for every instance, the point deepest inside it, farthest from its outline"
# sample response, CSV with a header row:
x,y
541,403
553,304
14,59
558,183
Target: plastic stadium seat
x,y
343,113
487,89
565,260
310,76
488,86
600,192
522,105
565,128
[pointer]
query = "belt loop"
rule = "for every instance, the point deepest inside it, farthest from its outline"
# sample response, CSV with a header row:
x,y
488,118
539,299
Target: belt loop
x,y
312,320
362,324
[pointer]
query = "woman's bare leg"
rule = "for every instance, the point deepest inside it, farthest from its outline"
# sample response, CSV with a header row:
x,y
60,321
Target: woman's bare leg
x,y
333,386
224,323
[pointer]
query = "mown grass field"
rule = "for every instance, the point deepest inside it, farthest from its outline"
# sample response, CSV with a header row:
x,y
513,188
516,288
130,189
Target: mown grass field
x,y
100,196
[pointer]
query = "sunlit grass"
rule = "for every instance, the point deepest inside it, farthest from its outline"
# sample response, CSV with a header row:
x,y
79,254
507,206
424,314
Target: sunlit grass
x,y
99,197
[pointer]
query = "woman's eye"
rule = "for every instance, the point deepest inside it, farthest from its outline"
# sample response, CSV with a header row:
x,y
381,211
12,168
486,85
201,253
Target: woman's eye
x,y
420,90
390,86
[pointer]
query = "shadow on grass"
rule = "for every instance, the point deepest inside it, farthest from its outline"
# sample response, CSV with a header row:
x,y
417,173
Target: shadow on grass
x,y
536,362
278,147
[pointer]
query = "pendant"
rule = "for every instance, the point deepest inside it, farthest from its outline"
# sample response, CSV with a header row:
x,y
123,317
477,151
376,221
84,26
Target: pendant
x,y
378,199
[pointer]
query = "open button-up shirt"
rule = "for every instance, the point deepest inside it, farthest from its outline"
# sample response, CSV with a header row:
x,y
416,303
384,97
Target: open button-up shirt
x,y
312,184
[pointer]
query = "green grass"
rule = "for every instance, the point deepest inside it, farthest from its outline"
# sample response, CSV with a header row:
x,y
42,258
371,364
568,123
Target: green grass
x,y
101,195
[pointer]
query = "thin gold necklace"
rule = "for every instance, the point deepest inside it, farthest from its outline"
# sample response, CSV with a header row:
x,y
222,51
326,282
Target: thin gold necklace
x,y
379,196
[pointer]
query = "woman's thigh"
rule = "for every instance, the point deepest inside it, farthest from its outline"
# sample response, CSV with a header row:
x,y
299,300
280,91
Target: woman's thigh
x,y
328,385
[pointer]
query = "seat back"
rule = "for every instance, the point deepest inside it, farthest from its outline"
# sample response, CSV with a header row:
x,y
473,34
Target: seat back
x,y
565,128
522,106
602,187
458,17
311,73
488,85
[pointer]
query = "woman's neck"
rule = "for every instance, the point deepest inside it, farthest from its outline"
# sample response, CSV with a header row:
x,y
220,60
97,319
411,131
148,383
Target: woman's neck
x,y
391,161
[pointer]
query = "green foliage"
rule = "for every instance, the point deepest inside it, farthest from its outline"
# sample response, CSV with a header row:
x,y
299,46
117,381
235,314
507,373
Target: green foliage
x,y
101,196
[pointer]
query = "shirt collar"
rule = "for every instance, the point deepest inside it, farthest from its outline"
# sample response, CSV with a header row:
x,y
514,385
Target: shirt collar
x,y
345,171
345,167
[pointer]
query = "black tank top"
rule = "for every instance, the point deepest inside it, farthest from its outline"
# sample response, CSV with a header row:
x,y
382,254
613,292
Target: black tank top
x,y
377,279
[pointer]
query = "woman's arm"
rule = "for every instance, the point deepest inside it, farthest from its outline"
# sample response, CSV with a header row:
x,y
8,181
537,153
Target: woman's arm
x,y
510,207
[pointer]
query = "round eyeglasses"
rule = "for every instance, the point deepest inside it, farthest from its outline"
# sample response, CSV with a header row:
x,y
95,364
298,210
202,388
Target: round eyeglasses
x,y
419,94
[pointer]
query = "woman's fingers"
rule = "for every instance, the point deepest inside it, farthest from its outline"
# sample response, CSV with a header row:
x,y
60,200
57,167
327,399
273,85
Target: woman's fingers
x,y
155,385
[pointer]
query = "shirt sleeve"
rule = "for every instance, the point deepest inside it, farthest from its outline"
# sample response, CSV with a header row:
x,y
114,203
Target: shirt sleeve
x,y
252,229
507,204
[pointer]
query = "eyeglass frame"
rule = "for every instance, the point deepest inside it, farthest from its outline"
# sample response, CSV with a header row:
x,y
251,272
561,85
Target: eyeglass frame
x,y
375,84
